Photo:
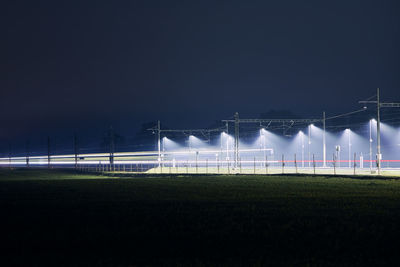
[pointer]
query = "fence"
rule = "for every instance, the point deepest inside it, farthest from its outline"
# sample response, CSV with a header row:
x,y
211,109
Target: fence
x,y
147,162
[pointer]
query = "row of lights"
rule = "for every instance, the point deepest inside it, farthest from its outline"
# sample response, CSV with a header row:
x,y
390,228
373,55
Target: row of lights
x,y
301,133
263,132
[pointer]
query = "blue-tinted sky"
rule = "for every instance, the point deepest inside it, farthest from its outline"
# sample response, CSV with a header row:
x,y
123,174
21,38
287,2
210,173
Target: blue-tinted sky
x,y
82,65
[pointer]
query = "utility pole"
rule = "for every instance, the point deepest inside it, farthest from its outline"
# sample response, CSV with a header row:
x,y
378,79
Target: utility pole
x,y
379,105
264,145
27,153
237,121
324,141
378,131
159,143
48,152
236,139
157,130
309,145
111,148
227,140
349,132
370,145
9,155
302,149
76,150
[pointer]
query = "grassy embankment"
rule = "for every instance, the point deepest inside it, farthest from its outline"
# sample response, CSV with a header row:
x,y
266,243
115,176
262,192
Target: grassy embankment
x,y
53,217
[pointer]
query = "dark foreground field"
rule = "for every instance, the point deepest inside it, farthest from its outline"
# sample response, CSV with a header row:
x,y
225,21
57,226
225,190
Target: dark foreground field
x,y
58,218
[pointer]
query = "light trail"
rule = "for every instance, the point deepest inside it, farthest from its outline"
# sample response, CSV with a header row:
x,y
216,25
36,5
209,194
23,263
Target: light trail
x,y
349,151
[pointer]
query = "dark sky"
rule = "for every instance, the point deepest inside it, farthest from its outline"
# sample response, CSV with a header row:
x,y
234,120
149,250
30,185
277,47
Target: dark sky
x,y
84,65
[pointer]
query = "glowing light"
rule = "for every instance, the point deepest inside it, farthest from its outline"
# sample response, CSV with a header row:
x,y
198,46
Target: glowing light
x,y
260,146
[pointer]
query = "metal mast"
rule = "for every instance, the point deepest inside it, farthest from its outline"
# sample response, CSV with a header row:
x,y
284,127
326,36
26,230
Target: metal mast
x,y
309,145
324,141
237,122
378,131
379,105
157,130
370,145
236,139
111,148
76,150
48,151
159,142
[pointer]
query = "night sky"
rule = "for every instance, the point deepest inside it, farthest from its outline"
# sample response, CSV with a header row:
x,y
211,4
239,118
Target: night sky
x,y
82,66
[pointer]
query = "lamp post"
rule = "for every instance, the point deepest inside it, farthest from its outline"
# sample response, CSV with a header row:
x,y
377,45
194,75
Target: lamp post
x,y
324,141
262,141
378,125
378,132
370,145
159,142
227,145
302,149
349,138
337,148
309,145
190,148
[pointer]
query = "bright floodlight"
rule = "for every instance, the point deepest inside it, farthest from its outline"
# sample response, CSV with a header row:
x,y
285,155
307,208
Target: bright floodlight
x,y
301,134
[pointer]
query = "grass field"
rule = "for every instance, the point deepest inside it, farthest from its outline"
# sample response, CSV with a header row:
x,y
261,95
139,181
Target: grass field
x,y
66,218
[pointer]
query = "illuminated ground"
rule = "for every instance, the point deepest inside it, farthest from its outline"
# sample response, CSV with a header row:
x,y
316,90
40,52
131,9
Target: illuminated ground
x,y
63,218
391,172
